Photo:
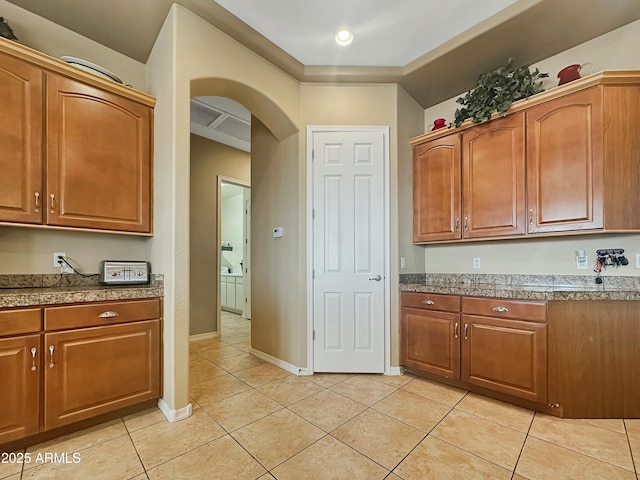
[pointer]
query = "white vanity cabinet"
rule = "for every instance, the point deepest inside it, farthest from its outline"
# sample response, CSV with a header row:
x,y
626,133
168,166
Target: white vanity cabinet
x,y
232,293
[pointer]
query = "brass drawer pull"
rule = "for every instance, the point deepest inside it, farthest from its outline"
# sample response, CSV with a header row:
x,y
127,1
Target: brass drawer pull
x,y
500,309
37,209
34,351
51,349
455,330
109,314
428,302
53,203
466,331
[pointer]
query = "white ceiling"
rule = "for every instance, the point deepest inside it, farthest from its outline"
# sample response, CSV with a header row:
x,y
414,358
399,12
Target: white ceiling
x,y
389,33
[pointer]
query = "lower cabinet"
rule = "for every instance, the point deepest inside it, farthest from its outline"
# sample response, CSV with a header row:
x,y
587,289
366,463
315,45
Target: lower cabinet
x,y
20,392
232,293
63,364
91,371
499,345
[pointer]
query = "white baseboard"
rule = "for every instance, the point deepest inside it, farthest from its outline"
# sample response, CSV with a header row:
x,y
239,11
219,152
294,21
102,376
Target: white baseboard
x,y
173,415
203,336
393,371
279,363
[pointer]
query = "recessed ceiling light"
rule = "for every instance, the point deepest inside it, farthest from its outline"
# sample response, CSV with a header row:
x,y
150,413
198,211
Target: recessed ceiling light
x,y
344,37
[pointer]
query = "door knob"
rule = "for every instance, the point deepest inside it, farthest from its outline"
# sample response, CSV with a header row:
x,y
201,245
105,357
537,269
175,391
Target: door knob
x,y
377,278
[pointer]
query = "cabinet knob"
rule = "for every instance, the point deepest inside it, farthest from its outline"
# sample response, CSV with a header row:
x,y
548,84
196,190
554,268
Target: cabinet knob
x,y
500,309
428,302
109,314
37,205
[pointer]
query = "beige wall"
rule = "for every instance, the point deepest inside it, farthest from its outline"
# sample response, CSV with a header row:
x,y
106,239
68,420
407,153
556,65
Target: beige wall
x,y
191,57
30,250
208,160
275,291
615,50
45,36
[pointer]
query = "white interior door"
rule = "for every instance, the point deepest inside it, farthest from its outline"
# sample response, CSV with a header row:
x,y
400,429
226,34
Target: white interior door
x,y
348,251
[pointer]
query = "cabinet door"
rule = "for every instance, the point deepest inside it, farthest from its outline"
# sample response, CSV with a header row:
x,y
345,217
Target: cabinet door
x,y
231,292
430,341
493,178
223,291
565,163
506,356
436,190
98,158
239,293
21,192
20,367
97,370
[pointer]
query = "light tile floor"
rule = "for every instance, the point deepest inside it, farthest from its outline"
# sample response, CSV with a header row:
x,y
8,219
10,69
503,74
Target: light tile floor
x,y
252,420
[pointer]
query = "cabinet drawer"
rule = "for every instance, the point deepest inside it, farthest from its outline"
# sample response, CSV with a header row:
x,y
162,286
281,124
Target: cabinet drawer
x,y
97,314
14,322
431,301
497,307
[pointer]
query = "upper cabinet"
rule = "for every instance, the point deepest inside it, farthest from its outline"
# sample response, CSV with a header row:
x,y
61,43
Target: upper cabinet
x,y
75,150
436,190
564,161
20,140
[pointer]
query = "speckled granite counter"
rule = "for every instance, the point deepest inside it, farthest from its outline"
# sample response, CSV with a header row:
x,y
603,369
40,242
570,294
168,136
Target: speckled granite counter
x,y
30,290
524,287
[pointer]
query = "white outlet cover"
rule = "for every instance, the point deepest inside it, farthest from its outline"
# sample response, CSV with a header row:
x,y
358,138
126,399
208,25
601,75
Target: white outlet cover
x,y
477,262
582,263
637,260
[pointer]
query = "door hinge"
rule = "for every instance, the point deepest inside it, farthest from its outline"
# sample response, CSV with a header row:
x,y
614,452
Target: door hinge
x,y
313,154
314,334
313,214
313,274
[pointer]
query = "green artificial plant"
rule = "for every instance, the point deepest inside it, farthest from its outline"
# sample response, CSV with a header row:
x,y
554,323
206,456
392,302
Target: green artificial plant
x,y
496,91
5,30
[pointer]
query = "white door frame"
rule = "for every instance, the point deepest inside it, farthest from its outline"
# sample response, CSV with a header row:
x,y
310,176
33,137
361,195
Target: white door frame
x,y
220,179
311,130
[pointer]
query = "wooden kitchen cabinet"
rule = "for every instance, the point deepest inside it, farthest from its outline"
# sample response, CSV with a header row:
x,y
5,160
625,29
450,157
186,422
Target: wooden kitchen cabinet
x,y
573,172
594,358
20,140
75,150
65,364
98,158
20,373
565,163
436,190
498,345
90,371
504,346
430,327
493,168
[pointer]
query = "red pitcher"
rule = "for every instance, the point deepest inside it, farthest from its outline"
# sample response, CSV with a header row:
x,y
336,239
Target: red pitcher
x,y
439,123
571,73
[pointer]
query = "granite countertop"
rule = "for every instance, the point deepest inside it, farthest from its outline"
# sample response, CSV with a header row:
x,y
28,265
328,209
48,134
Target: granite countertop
x,y
524,287
32,290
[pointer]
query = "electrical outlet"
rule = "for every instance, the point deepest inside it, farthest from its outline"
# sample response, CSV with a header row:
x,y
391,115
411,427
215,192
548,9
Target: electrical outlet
x,y
403,263
477,263
637,260
56,262
582,262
